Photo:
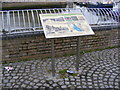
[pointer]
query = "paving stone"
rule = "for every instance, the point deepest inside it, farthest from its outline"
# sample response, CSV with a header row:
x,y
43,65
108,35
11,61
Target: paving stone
x,y
23,85
32,84
16,86
89,83
42,81
9,77
100,81
84,86
95,84
15,77
54,85
72,79
89,80
66,79
79,87
116,83
83,80
78,80
18,83
63,87
26,82
61,83
36,80
73,83
106,86
95,74
35,87
110,86
90,86
8,84
7,74
21,80
101,87
13,74
5,81
78,83
67,83
39,84
29,87
57,88
117,87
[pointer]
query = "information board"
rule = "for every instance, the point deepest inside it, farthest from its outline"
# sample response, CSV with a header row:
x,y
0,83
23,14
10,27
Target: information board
x,y
65,25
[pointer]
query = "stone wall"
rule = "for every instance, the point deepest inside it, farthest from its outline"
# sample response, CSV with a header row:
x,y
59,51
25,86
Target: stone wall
x,y
37,46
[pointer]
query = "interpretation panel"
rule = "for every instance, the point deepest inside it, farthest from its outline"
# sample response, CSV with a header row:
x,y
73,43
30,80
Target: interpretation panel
x,y
65,25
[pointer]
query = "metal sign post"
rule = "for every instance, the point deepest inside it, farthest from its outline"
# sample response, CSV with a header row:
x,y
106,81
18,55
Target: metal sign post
x,y
78,53
53,57
65,25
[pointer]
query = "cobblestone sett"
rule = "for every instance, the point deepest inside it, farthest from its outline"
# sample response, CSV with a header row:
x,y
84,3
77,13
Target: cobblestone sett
x,y
98,70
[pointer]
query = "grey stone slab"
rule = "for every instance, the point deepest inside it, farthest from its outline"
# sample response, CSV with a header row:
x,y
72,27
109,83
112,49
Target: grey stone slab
x,y
106,86
39,84
89,80
36,80
57,88
61,83
67,83
29,87
73,83
42,81
79,87
16,86
90,86
32,84
23,85
21,80
101,87
13,74
63,87
78,83
83,86
66,79
7,74
111,86
35,87
72,79
54,85
15,77
89,83
8,84
116,87
5,81
78,80
26,82
11,80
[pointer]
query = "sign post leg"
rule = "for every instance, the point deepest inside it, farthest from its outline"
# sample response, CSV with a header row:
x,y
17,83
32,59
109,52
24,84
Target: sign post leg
x,y
78,53
53,58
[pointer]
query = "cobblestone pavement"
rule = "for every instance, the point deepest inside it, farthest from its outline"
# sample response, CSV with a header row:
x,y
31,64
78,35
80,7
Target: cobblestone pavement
x,y
99,70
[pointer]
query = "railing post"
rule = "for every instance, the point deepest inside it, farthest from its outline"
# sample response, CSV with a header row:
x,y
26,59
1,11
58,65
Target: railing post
x,y
33,20
8,22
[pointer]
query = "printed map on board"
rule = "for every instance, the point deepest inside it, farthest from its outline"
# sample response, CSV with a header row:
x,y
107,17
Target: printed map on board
x,y
65,25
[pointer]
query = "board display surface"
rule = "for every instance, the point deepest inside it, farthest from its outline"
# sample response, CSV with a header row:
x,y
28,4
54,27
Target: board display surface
x,y
65,25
